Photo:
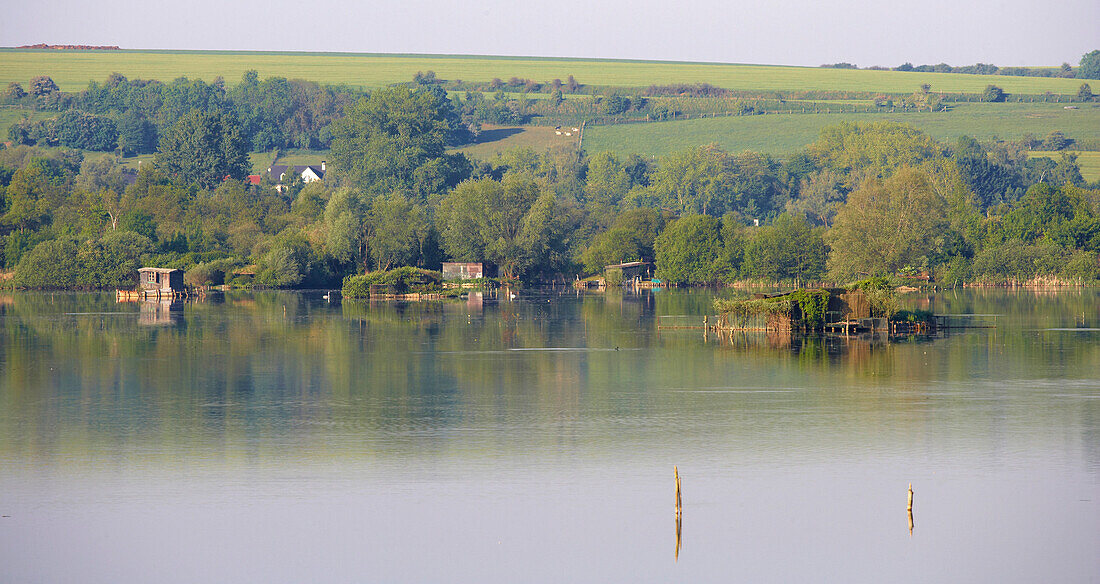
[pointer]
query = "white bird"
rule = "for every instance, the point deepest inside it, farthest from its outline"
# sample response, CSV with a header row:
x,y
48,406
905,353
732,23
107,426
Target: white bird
x,y
327,295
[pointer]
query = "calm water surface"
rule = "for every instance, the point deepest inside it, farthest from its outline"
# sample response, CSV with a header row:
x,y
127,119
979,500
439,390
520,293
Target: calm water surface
x,y
274,437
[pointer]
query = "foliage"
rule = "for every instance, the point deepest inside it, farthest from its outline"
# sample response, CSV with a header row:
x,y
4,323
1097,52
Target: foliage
x,y
789,248
689,250
740,311
812,305
402,280
808,306
709,181
1090,65
109,262
887,225
204,148
42,85
512,223
1016,262
630,238
872,149
993,94
395,139
914,316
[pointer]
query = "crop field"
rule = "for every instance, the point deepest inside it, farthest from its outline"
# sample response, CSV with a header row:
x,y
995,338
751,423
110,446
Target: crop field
x,y
783,133
1088,161
72,70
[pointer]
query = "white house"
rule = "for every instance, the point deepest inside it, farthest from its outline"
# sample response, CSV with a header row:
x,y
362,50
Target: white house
x,y
309,172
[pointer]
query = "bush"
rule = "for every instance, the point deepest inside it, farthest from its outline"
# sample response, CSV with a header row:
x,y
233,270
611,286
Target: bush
x,y
204,274
993,93
1082,266
1017,262
109,262
405,280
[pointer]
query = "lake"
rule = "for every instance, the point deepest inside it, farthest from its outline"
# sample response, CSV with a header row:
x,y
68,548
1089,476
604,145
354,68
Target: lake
x,y
277,437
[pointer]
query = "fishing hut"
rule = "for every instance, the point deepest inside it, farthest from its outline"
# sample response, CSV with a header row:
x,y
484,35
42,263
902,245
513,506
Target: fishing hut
x,y
156,283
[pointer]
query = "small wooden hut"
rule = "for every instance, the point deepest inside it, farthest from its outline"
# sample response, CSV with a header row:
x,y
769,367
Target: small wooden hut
x,y
161,282
463,270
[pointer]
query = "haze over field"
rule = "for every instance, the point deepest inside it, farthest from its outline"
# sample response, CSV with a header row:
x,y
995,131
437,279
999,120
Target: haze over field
x,y
802,32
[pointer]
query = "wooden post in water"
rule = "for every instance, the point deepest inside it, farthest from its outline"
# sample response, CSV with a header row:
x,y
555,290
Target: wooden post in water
x,y
910,509
679,501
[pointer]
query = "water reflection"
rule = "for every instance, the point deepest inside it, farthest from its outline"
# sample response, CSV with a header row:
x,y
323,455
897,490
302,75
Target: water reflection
x,y
481,432
160,312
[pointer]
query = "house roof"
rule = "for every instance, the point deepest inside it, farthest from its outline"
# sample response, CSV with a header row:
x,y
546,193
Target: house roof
x,y
277,170
254,179
628,265
158,270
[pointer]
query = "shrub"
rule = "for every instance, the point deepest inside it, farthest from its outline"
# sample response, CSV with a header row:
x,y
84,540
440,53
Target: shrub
x,y
404,280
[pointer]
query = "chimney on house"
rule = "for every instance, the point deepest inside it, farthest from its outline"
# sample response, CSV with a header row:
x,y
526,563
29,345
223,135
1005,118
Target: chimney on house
x,y
322,166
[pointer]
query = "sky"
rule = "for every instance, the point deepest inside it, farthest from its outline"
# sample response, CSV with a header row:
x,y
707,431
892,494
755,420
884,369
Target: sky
x,y
795,32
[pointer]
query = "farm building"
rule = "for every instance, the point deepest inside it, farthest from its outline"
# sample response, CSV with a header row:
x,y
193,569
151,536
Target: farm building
x,y
462,270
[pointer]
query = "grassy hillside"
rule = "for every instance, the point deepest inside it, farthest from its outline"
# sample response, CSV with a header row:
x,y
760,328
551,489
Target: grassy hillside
x,y
779,134
73,69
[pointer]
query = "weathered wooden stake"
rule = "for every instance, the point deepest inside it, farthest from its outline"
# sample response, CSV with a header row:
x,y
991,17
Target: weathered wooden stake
x,y
910,509
679,502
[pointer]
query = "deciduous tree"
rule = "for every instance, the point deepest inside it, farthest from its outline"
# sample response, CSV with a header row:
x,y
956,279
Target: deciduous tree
x,y
204,148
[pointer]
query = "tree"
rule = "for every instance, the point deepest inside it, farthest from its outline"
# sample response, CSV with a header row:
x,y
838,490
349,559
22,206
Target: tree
x,y
399,229
611,105
15,91
204,148
76,129
1090,66
789,248
1085,92
820,196
512,223
389,140
136,134
34,192
711,181
873,149
42,85
689,251
992,94
886,225
1055,141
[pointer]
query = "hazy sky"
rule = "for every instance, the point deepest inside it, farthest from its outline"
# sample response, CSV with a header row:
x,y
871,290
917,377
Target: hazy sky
x,y
795,32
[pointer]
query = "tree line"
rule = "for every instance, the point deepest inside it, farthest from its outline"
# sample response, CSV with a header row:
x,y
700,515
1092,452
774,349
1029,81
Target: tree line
x,y
1088,68
863,199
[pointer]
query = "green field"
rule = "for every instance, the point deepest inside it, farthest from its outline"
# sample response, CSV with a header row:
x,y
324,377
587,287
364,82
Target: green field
x,y
1088,161
497,139
11,115
73,69
781,134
